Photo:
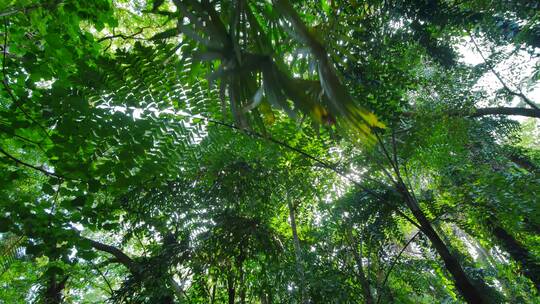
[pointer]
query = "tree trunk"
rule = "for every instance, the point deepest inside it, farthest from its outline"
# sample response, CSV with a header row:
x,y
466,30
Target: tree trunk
x,y
368,297
470,293
297,252
520,254
53,293
466,288
213,293
242,286
231,291
176,288
266,292
364,282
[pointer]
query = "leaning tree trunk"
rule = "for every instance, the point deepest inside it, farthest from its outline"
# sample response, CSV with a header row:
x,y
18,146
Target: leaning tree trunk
x,y
470,293
466,288
520,254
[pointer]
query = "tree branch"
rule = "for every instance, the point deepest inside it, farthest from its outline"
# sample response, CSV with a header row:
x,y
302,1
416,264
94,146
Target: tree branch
x,y
510,91
396,259
394,262
527,112
132,36
15,10
506,111
111,290
123,258
22,138
18,161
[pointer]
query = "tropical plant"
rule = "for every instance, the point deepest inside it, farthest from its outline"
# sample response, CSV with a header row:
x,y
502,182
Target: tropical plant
x,y
198,151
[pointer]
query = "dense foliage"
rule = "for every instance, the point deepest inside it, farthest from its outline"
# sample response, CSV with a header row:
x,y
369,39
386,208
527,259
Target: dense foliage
x,y
278,151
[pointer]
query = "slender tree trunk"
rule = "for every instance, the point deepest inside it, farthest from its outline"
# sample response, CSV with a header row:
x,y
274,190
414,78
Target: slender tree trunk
x,y
470,293
520,254
368,297
53,293
364,282
231,291
242,286
297,252
266,298
213,293
176,288
265,295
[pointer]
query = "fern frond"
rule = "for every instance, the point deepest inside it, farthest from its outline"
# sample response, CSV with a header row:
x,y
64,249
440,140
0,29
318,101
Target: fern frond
x,y
10,250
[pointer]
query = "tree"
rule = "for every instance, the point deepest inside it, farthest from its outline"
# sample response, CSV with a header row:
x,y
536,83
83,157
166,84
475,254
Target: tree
x,y
268,152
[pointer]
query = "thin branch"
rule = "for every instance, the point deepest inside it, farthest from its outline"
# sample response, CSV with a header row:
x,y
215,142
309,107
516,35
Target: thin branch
x,y
123,36
396,259
26,9
489,111
394,262
394,148
13,11
53,205
177,289
111,290
24,139
406,217
508,89
145,253
323,163
399,182
387,154
18,161
405,181
408,179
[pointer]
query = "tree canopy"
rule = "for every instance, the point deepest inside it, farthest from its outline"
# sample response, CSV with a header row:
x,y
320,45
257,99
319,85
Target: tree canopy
x,y
276,151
